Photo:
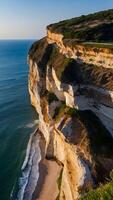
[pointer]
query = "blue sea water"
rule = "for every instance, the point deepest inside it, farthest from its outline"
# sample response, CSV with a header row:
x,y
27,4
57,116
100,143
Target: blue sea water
x,y
17,116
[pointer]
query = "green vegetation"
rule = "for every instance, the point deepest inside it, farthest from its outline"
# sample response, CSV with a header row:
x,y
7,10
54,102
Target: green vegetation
x,y
98,45
59,181
60,111
102,15
51,97
72,111
100,33
59,62
104,192
97,27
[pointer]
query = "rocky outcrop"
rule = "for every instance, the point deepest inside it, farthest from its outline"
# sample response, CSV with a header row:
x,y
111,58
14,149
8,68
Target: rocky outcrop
x,y
82,53
75,113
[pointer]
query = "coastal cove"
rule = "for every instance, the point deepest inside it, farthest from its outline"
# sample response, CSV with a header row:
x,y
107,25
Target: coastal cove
x,y
18,119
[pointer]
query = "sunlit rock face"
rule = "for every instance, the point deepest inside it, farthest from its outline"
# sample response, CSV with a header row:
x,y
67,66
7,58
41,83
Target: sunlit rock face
x,y
72,91
95,56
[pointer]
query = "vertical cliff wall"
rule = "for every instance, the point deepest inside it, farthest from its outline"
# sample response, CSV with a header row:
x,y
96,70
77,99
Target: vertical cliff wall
x,y
57,148
73,95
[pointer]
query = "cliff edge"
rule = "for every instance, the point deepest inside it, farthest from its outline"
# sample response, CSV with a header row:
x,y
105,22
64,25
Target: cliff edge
x,y
71,87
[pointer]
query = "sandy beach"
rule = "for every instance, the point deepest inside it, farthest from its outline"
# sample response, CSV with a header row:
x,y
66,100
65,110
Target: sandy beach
x,y
49,188
47,184
49,171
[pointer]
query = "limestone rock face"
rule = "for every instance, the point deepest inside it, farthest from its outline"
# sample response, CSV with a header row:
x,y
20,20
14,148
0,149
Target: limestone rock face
x,y
75,112
95,56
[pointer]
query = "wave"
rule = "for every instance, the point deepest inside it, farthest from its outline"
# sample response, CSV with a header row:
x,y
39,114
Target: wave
x,y
31,125
30,169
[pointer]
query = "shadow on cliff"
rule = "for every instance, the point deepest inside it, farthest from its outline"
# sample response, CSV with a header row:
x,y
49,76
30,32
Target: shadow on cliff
x,y
100,143
81,73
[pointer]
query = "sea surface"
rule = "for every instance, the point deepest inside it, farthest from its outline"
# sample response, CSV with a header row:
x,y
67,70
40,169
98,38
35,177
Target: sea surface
x,y
18,119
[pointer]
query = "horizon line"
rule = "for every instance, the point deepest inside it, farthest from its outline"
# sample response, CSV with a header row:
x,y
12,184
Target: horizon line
x,y
18,39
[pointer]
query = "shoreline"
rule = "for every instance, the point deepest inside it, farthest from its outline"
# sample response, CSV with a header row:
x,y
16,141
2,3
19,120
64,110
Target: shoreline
x,y
49,171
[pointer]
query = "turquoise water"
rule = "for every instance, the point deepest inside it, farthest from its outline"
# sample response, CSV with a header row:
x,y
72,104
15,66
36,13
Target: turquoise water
x,y
17,116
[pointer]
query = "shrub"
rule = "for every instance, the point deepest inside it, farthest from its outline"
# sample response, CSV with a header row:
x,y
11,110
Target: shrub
x,y
78,28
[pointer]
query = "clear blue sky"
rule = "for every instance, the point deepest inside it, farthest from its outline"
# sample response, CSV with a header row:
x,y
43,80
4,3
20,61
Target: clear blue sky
x,y
27,19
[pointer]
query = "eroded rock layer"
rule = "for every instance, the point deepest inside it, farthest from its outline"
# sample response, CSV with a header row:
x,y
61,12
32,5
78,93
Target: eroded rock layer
x,y
72,91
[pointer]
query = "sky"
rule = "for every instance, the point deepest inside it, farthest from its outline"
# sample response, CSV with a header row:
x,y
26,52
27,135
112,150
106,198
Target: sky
x,y
27,19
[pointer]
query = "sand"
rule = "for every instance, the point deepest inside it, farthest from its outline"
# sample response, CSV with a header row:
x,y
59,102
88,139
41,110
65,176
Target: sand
x,y
47,188
49,171
50,188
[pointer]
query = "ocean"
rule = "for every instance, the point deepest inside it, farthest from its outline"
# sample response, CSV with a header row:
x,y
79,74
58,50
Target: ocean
x,y
18,119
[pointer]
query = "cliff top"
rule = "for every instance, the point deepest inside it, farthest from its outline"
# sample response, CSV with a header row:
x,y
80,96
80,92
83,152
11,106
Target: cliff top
x,y
89,29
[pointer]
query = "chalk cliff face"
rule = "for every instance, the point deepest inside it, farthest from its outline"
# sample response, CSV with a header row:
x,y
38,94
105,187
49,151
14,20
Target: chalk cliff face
x,y
72,91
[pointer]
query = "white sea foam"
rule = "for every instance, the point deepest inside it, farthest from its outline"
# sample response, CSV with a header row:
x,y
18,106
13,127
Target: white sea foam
x,y
30,169
31,125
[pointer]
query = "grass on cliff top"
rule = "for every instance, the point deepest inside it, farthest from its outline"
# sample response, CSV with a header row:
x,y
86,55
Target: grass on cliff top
x,y
102,15
98,45
103,192
88,44
99,34
97,27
